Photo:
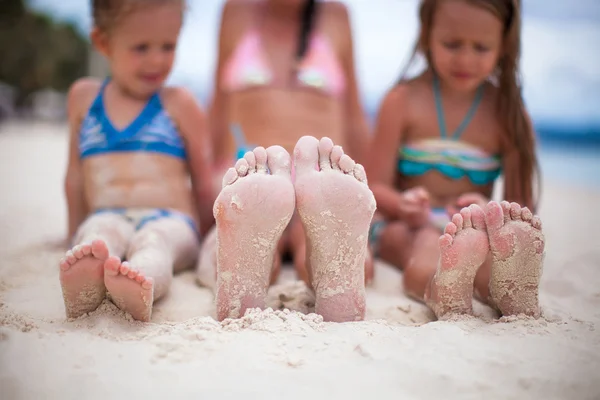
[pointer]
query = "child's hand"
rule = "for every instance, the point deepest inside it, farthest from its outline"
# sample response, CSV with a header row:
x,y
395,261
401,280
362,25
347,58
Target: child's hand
x,y
466,200
414,207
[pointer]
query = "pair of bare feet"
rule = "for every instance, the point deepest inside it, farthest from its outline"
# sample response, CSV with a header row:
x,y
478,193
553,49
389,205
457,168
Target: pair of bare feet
x,y
256,203
514,237
87,273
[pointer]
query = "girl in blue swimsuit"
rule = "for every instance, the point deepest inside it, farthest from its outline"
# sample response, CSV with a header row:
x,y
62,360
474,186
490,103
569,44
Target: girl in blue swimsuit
x,y
138,184
442,140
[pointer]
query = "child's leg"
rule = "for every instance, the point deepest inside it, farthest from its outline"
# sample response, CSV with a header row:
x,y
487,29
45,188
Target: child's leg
x,y
517,245
81,270
157,249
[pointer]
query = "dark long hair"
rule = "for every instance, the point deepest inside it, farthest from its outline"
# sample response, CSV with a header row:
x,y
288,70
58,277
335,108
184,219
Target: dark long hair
x,y
520,175
307,21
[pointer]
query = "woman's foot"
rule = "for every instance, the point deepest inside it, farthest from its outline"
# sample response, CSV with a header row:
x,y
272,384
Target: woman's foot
x,y
464,246
251,212
517,245
336,207
82,278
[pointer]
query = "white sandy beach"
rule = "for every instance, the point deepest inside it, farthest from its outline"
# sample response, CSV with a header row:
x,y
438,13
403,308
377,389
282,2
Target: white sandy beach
x,y
398,353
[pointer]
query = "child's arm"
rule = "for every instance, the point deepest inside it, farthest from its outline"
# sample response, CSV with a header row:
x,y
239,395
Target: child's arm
x,y
192,125
77,208
392,122
357,130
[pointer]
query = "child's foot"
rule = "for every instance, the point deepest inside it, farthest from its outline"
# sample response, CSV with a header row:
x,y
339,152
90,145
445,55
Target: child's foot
x,y
251,212
336,207
82,278
517,244
464,246
129,289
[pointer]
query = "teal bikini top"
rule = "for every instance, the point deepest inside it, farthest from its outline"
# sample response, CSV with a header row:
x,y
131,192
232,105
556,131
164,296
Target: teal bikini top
x,y
448,155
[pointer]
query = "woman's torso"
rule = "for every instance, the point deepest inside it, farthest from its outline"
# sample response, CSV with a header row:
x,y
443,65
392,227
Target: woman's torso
x,y
270,100
137,164
448,167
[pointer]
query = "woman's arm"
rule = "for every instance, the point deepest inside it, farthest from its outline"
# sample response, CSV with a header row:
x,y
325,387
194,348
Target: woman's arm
x,y
356,127
218,113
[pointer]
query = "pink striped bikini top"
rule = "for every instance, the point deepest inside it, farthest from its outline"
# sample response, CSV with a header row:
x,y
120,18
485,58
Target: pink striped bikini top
x,y
249,67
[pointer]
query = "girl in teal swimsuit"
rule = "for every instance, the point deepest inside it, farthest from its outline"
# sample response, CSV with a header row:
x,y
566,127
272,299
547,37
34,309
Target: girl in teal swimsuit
x,y
442,140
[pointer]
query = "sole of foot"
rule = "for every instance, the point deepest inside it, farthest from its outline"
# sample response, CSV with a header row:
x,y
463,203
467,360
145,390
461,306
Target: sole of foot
x,y
82,278
464,246
129,289
252,211
335,206
517,245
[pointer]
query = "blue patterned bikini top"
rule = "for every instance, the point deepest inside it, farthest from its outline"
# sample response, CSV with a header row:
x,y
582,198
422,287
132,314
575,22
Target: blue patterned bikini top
x,y
151,131
448,155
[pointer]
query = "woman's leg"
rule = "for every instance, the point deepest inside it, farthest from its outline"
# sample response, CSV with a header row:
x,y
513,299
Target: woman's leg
x,y
157,249
81,270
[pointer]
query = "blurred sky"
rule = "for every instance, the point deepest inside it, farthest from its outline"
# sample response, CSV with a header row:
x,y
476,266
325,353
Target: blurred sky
x,y
560,62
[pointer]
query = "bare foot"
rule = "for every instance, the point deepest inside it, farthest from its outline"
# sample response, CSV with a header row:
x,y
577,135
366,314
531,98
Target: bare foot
x,y
82,278
129,289
517,244
251,212
336,207
464,246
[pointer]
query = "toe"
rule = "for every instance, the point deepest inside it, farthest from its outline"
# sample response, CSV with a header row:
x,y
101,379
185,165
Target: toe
x,y
336,153
99,249
494,216
526,214
451,228
251,160
360,174
505,205
147,283
457,220
230,176
347,164
124,268
112,265
445,240
86,249
325,148
465,213
241,166
278,160
515,211
261,159
306,155
477,217
64,265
